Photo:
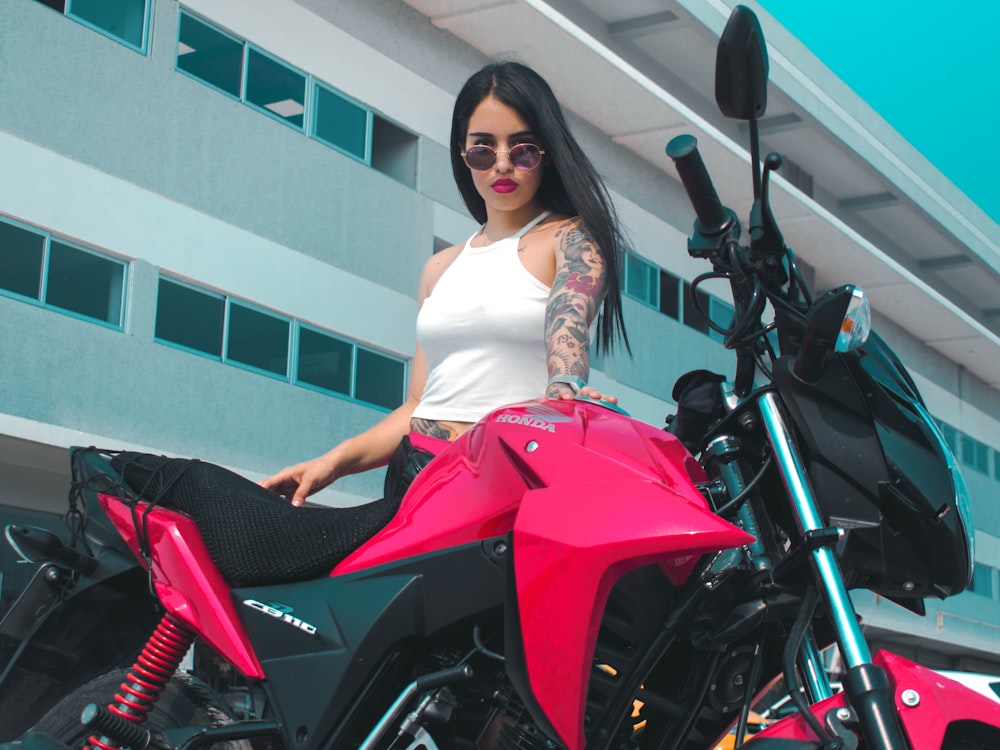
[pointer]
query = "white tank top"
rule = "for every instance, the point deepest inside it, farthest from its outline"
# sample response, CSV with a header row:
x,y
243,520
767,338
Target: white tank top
x,y
482,329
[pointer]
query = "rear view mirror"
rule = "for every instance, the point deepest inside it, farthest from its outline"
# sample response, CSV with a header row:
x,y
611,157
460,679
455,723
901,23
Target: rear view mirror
x,y
741,67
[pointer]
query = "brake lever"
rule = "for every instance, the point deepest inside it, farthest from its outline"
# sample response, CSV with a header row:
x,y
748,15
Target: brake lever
x,y
767,245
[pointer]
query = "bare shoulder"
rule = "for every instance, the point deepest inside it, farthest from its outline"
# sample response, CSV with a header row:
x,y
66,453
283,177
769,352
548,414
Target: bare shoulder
x,y
551,233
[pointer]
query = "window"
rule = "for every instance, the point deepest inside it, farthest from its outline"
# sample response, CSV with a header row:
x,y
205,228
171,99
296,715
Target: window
x,y
190,317
275,88
324,361
975,454
242,334
379,379
270,85
21,256
692,313
642,281
124,20
36,266
85,283
670,295
210,55
394,151
257,339
950,435
982,580
340,123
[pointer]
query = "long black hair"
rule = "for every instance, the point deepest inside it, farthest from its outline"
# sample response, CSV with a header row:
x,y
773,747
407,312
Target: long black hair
x,y
570,184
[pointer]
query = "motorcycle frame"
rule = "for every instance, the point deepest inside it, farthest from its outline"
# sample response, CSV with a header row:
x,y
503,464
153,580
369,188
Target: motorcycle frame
x,y
505,480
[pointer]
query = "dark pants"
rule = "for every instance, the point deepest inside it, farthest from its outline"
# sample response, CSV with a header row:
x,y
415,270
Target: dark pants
x,y
404,465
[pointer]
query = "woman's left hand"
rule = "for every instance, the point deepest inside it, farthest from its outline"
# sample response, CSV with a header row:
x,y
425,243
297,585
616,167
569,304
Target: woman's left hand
x,y
596,395
564,392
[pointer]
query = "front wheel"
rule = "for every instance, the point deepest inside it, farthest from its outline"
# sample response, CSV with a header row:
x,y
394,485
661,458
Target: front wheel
x,y
186,701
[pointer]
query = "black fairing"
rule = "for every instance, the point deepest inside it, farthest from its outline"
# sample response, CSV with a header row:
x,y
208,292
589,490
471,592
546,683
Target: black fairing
x,y
328,683
881,471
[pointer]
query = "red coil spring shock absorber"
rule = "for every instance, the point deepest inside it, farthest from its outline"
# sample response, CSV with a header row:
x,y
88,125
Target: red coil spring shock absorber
x,y
149,675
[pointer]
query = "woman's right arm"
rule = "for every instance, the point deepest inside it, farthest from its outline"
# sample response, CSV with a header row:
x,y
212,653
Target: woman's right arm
x,y
373,447
369,450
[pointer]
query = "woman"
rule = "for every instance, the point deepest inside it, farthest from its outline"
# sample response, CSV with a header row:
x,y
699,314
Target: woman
x,y
506,316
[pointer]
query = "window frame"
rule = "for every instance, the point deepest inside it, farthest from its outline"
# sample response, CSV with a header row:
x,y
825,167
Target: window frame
x,y
352,375
43,270
41,300
253,307
318,85
650,281
386,355
291,375
249,47
222,32
143,49
201,290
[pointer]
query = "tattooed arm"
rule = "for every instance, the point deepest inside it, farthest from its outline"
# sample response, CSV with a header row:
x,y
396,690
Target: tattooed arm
x,y
577,292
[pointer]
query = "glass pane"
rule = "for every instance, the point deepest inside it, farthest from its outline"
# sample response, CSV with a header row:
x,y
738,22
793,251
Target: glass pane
x,y
379,379
190,317
85,283
635,277
670,287
652,285
275,87
983,457
258,339
341,123
968,450
324,361
21,254
122,19
210,55
982,580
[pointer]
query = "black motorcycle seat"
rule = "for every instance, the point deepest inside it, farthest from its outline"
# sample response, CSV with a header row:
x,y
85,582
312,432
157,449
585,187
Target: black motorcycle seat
x,y
254,536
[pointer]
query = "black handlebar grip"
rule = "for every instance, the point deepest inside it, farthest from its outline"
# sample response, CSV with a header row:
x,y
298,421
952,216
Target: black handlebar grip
x,y
683,149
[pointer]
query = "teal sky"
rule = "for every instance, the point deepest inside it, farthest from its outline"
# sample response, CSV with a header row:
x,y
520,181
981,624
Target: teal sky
x,y
930,69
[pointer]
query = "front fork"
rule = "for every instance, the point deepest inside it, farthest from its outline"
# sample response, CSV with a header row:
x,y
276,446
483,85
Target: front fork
x,y
866,685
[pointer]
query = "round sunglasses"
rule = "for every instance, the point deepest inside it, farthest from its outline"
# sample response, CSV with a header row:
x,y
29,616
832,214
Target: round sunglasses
x,y
524,156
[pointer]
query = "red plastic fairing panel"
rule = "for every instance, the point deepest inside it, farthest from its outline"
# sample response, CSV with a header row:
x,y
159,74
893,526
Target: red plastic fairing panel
x,y
471,491
941,701
571,544
932,703
181,563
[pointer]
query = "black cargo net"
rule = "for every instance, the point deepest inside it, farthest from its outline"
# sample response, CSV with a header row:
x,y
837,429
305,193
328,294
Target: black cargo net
x,y
254,536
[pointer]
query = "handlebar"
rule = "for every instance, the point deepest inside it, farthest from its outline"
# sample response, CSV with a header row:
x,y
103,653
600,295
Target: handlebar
x,y
713,217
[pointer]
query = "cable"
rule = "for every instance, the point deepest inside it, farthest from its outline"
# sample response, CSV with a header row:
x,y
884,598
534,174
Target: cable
x,y
792,646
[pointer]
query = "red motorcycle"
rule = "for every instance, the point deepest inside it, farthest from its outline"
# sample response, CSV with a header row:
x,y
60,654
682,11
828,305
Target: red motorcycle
x,y
565,576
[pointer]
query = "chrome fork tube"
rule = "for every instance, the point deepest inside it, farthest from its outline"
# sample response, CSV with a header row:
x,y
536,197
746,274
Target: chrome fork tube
x,y
865,684
841,610
814,676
